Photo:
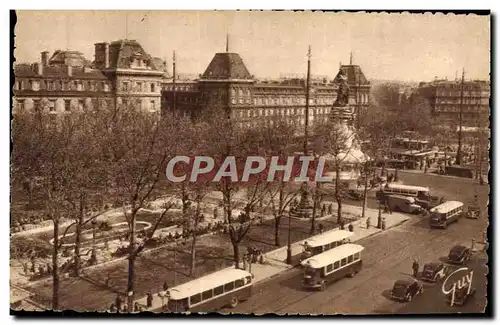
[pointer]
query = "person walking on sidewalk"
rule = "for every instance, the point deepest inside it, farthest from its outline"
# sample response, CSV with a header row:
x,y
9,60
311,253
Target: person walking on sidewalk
x,y
415,268
165,286
149,299
118,302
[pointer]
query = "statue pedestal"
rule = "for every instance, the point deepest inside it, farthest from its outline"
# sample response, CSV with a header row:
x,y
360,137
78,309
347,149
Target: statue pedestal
x,y
305,207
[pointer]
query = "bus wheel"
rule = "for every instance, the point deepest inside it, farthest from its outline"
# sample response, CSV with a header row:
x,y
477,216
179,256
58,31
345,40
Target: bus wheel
x,y
234,302
352,274
408,297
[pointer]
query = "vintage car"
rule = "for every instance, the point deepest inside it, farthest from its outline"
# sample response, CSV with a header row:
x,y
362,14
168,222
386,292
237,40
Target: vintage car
x,y
406,290
459,255
473,212
462,295
433,272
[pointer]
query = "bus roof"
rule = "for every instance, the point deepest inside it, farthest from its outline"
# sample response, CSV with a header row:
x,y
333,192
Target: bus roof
x,y
207,282
447,206
328,237
408,187
333,255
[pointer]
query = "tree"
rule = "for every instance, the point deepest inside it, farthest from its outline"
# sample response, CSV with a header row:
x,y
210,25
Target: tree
x,y
43,150
236,144
137,147
338,140
278,141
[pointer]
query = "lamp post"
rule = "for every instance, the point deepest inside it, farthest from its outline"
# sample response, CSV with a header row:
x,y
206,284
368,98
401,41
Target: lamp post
x,y
94,223
289,245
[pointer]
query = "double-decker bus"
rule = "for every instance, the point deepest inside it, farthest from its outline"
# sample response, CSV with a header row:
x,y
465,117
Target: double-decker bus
x,y
323,242
223,288
332,265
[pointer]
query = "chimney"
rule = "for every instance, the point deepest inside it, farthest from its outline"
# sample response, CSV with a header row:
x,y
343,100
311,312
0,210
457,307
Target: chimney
x,y
102,55
45,58
37,68
70,70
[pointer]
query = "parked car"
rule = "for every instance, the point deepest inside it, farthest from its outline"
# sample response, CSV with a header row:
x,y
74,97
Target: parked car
x,y
459,254
462,295
473,212
433,272
406,290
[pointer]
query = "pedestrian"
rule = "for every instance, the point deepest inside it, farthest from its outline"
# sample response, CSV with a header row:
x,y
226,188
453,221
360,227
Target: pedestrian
x,y
165,286
342,224
112,308
125,308
320,228
368,223
49,269
149,299
137,307
25,268
33,270
118,302
415,268
351,227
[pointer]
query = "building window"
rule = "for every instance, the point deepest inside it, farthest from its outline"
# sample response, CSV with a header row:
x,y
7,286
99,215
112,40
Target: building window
x,y
52,105
20,104
80,104
153,105
125,86
139,86
153,88
67,105
36,105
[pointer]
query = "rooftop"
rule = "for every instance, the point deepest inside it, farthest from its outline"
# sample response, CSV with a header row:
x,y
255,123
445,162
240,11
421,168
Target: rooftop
x,y
354,75
226,66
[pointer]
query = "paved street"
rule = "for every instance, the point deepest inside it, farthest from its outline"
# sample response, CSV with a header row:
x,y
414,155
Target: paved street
x,y
387,258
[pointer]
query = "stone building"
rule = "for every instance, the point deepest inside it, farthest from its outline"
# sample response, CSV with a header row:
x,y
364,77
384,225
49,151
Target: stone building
x,y
123,73
227,85
444,98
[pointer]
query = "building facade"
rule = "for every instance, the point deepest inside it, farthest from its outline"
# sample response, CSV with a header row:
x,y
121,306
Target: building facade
x,y
445,99
123,73
228,86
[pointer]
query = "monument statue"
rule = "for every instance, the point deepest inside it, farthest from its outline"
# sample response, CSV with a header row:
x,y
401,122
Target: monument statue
x,y
343,91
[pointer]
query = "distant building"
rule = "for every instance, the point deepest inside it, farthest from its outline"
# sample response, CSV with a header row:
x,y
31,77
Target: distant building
x,y
444,98
121,74
228,86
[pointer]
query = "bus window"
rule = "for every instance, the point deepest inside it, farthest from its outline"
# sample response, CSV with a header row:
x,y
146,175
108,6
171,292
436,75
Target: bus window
x,y
239,283
207,295
218,290
248,279
343,262
357,256
336,265
350,258
228,286
178,306
195,299
329,268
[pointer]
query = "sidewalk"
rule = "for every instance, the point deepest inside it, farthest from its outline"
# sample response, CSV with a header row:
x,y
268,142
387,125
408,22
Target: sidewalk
x,y
274,261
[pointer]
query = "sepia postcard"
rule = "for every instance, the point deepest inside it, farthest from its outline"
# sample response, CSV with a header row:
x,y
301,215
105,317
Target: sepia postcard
x,y
250,162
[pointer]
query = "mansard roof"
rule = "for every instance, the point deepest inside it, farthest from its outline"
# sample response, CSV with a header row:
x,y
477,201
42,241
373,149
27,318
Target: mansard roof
x,y
70,58
353,72
122,52
226,66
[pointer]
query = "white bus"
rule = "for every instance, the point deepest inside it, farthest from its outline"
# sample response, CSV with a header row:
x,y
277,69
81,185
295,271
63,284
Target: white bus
x,y
323,242
332,265
420,193
211,292
446,213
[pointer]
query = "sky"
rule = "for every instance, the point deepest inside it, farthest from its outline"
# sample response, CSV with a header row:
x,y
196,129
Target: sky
x,y
407,47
